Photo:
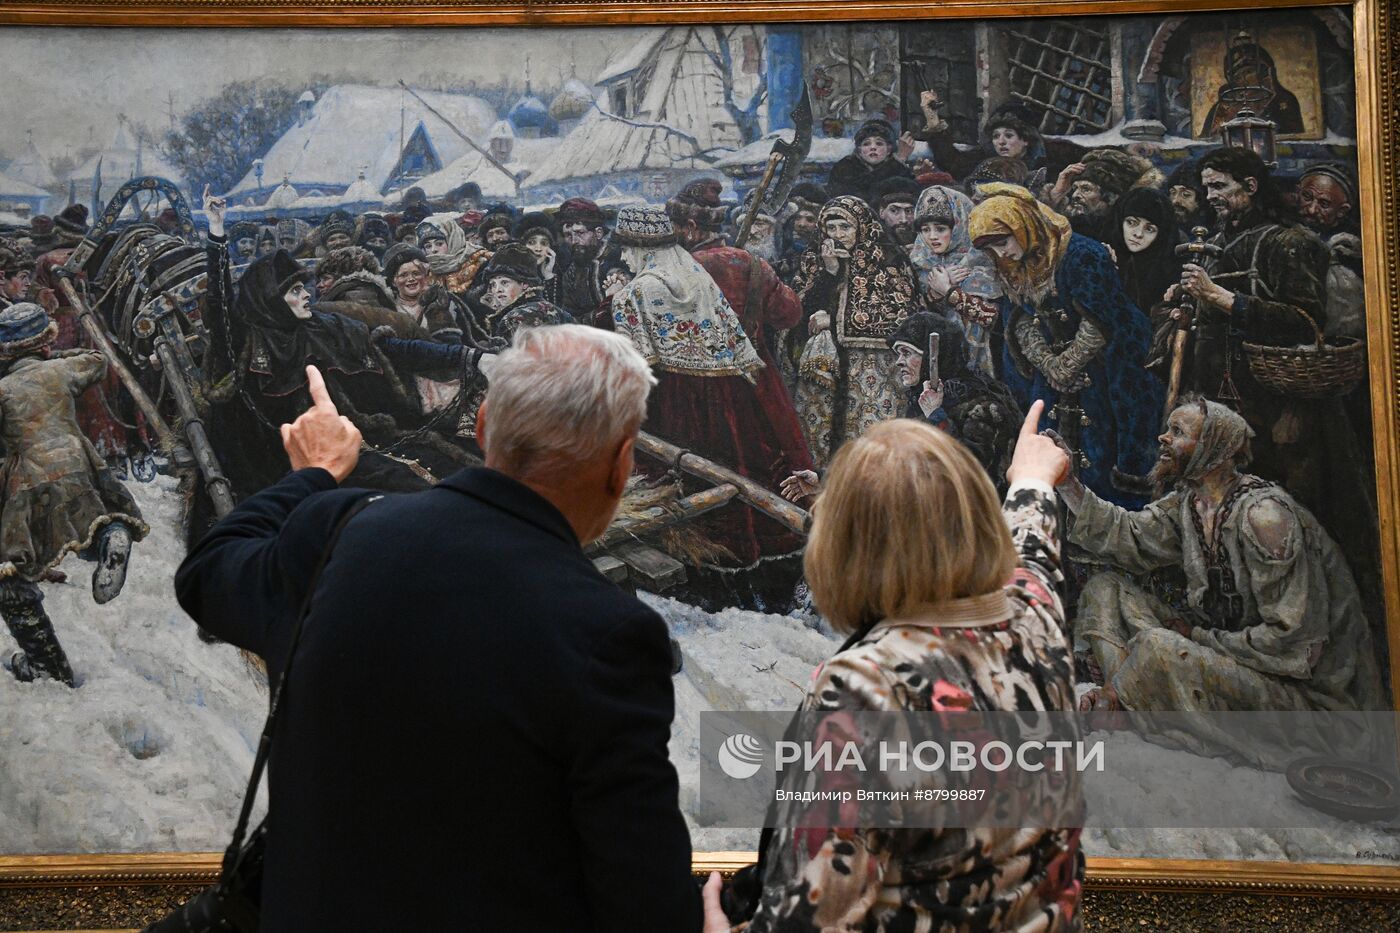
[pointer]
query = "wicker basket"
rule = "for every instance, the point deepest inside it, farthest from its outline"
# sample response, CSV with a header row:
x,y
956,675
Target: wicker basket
x,y
1325,370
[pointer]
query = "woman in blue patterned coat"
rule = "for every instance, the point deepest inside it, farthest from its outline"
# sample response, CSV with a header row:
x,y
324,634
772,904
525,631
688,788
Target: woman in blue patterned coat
x,y
1075,339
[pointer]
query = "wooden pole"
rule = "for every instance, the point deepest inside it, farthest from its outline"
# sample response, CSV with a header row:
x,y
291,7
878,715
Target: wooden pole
x,y
178,452
773,160
769,503
220,490
658,517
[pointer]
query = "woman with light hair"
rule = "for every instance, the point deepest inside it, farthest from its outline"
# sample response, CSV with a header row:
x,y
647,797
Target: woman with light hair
x,y
951,603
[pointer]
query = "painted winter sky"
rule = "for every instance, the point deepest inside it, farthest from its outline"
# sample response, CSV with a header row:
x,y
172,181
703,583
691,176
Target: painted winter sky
x,y
61,82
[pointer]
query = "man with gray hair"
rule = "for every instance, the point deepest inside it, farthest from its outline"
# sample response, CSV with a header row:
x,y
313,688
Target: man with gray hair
x,y
474,732
1272,619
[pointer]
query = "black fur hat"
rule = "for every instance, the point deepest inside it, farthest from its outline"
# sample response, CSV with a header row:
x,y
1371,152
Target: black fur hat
x,y
877,127
515,262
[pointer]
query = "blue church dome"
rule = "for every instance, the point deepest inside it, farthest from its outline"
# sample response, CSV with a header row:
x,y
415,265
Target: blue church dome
x,y
530,117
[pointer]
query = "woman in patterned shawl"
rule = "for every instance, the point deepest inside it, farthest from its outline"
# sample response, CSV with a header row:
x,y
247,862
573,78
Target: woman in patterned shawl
x,y
952,604
705,399
856,287
452,260
956,279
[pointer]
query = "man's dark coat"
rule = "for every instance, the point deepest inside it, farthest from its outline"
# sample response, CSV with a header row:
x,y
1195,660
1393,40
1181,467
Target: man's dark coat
x,y
475,732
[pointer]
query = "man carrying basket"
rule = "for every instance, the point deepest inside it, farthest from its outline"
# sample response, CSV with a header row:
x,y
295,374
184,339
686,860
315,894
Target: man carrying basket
x,y
1257,347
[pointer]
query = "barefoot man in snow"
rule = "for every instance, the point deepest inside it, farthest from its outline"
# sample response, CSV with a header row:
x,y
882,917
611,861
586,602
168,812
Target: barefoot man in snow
x,y
58,495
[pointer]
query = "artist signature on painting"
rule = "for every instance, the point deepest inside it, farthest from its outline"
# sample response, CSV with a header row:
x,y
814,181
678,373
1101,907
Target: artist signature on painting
x,y
1373,854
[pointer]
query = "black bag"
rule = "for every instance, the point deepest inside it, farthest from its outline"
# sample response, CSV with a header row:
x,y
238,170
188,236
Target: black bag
x,y
234,904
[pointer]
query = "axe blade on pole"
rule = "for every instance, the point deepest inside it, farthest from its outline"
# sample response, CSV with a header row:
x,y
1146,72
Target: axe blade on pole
x,y
794,153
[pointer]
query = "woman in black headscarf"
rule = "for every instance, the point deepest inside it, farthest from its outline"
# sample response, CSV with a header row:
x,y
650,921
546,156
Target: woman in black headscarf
x,y
963,401
260,344
1144,237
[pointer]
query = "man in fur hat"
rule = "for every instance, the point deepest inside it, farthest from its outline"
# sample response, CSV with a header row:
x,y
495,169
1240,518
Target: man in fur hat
x,y
894,205
1087,190
512,294
59,495
348,283
496,229
464,197
374,235
594,271
871,163
41,236
70,226
337,231
16,272
415,206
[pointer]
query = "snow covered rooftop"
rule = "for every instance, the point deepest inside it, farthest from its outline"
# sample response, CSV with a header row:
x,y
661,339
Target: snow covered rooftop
x,y
11,186
825,151
355,125
680,123
30,166
123,160
633,58
525,155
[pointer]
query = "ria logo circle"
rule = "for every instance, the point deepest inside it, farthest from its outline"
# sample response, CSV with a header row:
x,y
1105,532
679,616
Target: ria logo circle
x,y
741,756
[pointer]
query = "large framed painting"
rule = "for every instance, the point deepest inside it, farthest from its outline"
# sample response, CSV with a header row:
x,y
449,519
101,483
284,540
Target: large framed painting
x,y
854,171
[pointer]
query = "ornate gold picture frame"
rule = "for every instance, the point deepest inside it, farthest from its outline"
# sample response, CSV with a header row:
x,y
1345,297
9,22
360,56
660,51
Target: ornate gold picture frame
x,y
116,890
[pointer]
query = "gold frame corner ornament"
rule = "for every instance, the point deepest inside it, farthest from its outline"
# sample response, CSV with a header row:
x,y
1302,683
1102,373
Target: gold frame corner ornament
x,y
1377,58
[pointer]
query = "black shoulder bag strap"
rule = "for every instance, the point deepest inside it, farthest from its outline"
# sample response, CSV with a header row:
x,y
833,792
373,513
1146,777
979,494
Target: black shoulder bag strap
x,y
741,897
235,848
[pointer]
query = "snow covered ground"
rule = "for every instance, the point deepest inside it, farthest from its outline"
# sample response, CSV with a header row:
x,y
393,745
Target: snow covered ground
x,y
152,752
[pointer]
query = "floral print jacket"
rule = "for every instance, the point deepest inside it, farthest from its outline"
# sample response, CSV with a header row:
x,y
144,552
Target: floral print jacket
x,y
820,877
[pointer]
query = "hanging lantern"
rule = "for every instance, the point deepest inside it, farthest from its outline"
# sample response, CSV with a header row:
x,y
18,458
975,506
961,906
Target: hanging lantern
x,y
1247,131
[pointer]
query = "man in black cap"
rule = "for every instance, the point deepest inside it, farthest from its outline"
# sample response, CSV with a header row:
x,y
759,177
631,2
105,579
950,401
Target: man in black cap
x,y
800,229
894,204
243,242
1327,200
415,206
871,163
374,235
1188,197
511,297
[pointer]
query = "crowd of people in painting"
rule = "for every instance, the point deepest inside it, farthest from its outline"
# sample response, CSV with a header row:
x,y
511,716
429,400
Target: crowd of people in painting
x,y
1222,531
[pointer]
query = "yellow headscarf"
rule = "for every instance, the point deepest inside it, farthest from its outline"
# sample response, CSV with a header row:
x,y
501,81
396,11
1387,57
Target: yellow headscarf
x,y
1010,210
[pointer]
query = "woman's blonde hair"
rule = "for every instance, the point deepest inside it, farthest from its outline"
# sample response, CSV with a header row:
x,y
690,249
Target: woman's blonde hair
x,y
907,518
